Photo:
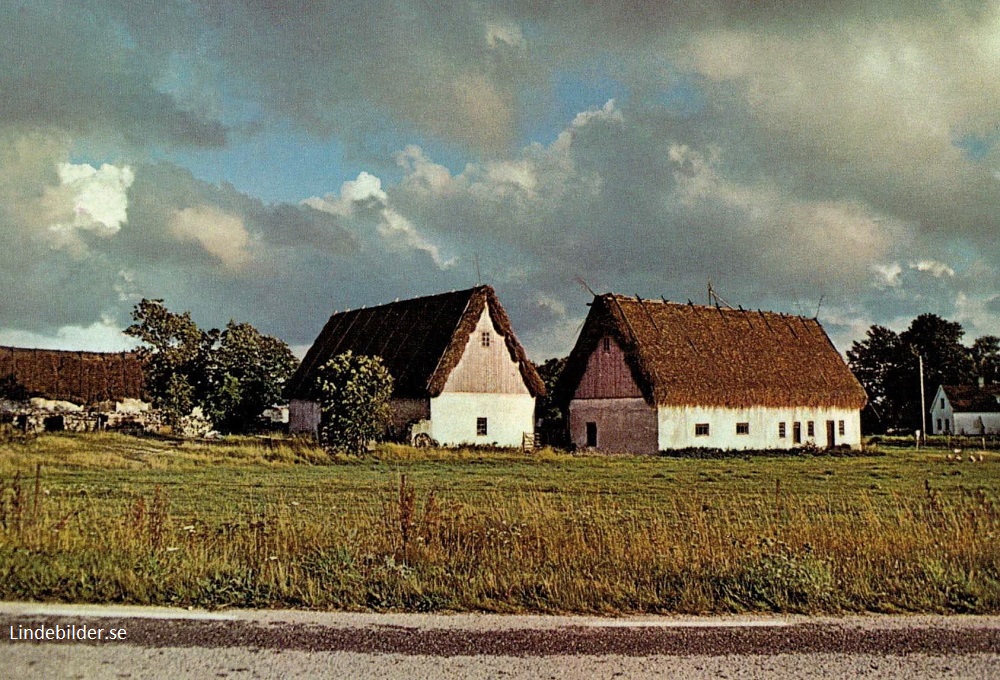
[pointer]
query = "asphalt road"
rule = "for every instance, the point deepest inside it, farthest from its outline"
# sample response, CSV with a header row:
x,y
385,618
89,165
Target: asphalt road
x,y
165,643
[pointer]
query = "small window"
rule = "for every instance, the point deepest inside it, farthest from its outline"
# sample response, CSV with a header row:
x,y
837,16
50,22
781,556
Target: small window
x,y
592,434
486,338
939,425
701,430
811,428
607,344
947,425
797,433
742,428
481,427
781,430
942,402
841,430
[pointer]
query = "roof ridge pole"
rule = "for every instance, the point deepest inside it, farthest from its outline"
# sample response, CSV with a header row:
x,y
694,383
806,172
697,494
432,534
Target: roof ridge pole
x,y
648,315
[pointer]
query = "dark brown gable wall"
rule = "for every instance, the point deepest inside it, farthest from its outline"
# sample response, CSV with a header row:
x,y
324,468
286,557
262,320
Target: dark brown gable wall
x,y
607,375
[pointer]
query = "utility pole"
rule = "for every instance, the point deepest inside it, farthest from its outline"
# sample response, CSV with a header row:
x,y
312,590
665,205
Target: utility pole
x,y
923,402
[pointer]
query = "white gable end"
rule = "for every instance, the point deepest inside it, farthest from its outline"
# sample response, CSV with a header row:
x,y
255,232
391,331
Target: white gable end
x,y
486,365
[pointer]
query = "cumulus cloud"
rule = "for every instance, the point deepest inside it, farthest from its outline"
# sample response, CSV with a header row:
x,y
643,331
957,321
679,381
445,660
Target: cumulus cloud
x,y
398,233
99,201
845,149
222,235
933,267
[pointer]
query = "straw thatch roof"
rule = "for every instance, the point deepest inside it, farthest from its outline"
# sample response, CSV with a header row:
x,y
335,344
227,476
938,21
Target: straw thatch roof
x,y
687,355
80,377
973,398
420,341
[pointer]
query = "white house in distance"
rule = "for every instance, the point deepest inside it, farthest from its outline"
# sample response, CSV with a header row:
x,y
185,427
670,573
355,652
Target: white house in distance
x,y
966,410
647,376
460,375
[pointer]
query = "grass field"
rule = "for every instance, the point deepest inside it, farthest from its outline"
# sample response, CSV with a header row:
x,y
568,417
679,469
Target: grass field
x,y
109,518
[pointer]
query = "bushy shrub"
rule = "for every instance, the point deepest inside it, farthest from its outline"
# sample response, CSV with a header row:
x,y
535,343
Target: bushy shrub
x,y
353,392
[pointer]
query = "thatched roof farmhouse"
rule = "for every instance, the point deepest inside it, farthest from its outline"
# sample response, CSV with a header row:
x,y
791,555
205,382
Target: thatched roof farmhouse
x,y
651,375
460,375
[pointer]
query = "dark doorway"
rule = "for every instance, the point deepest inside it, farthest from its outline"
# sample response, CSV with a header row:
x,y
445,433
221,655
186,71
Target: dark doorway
x,y
54,424
831,439
592,434
797,433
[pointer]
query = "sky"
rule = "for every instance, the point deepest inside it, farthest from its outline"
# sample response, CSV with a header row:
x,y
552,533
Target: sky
x,y
274,162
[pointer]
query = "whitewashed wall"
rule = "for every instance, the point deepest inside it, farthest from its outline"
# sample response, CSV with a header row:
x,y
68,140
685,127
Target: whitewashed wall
x,y
940,411
969,423
486,383
509,416
677,427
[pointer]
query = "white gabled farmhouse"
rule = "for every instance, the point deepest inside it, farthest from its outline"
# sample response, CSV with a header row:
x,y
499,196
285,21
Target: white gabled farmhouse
x,y
966,410
460,375
648,376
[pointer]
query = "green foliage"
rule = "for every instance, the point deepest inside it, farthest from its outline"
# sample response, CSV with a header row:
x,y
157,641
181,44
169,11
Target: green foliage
x,y
886,363
233,375
248,372
11,389
175,361
353,392
550,406
986,358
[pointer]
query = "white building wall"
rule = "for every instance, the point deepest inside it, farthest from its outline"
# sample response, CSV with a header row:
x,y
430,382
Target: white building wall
x,y
676,426
508,417
972,424
942,415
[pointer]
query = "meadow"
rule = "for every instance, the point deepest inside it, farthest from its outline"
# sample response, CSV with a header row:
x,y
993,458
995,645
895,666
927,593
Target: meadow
x,y
278,523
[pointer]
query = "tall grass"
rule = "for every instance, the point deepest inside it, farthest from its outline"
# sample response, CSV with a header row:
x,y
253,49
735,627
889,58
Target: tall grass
x,y
415,548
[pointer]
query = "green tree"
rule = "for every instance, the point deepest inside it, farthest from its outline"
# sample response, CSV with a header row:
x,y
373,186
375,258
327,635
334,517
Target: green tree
x,y
12,389
887,365
875,361
549,409
986,358
247,373
946,362
176,359
233,375
353,391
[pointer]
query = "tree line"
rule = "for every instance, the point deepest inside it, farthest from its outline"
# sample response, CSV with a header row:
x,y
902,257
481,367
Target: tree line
x,y
887,364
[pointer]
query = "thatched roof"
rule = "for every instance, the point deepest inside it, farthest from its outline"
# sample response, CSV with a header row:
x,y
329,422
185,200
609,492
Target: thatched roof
x,y
420,341
973,398
686,355
80,377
